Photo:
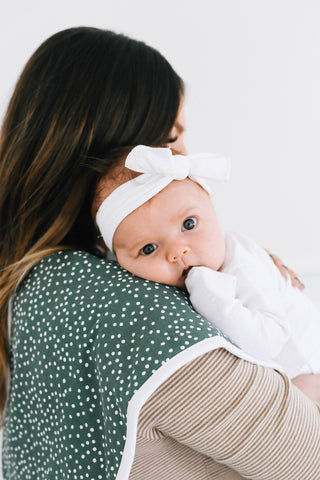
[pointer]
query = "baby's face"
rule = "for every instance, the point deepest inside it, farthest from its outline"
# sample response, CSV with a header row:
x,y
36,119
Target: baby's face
x,y
174,231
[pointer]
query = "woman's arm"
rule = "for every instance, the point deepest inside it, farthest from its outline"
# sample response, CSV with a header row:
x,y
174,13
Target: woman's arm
x,y
244,416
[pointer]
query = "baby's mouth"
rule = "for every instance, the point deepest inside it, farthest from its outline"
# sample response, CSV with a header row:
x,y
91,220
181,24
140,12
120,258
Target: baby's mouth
x,y
186,271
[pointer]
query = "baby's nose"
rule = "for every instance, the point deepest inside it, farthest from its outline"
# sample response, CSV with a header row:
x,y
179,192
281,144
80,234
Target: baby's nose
x,y
176,252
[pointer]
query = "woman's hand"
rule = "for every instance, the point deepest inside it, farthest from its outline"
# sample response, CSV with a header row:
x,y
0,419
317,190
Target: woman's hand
x,y
285,271
309,384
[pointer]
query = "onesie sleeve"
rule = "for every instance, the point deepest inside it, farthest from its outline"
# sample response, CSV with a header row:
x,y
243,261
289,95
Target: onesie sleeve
x,y
244,416
254,319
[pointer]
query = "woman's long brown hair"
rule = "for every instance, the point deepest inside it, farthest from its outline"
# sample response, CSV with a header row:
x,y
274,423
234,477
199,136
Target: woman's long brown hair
x,y
83,96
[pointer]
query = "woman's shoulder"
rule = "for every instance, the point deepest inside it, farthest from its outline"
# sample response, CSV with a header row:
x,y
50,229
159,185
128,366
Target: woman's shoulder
x,y
97,305
72,290
76,278
67,271
72,267
73,262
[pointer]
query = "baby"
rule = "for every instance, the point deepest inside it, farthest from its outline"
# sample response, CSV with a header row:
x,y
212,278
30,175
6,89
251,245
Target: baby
x,y
162,226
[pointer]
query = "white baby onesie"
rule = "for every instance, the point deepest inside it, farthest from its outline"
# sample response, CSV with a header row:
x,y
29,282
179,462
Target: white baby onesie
x,y
253,304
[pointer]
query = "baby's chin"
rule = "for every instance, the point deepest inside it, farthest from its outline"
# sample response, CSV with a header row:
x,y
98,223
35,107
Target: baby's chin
x,y
179,282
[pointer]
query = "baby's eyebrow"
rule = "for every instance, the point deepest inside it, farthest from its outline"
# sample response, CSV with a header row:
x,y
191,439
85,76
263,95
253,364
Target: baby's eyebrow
x,y
138,244
187,211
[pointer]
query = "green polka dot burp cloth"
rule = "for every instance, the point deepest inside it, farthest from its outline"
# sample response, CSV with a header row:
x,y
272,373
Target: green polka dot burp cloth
x,y
89,344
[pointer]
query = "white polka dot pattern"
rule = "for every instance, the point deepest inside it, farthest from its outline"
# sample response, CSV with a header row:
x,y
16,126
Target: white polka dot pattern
x,y
86,335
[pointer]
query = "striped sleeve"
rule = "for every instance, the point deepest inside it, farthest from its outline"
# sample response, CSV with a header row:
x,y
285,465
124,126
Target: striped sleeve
x,y
243,416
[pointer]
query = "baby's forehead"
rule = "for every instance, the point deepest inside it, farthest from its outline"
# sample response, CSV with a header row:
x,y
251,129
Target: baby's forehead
x,y
186,186
184,191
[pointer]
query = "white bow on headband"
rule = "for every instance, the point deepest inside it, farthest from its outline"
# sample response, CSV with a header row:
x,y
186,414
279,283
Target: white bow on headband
x,y
159,168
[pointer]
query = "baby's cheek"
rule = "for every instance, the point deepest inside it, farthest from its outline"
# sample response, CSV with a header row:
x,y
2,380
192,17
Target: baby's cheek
x,y
126,263
215,259
163,272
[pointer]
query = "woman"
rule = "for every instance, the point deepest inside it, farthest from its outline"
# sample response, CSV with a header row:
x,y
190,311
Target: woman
x,y
113,376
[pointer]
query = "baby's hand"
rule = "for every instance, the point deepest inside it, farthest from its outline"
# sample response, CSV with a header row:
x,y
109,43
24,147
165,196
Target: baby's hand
x,y
203,281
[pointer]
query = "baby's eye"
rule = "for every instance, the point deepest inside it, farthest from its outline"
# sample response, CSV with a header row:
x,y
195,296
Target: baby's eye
x,y
147,249
189,224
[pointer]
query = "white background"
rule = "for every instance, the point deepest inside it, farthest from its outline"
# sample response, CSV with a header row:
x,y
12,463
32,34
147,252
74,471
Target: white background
x,y
252,70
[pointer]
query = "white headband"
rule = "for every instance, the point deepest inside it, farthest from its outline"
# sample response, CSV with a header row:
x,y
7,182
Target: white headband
x,y
159,168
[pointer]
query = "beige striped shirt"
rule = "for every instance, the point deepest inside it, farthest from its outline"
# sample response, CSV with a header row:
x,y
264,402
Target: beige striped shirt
x,y
220,417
